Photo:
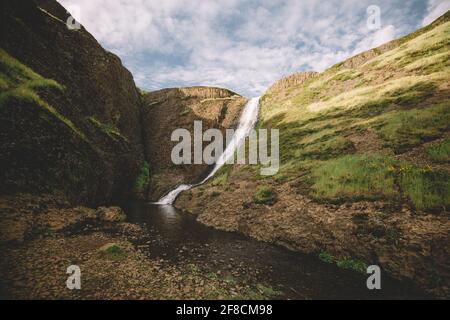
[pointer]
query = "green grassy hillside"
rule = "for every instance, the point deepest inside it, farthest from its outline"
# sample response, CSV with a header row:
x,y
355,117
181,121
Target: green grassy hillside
x,y
378,130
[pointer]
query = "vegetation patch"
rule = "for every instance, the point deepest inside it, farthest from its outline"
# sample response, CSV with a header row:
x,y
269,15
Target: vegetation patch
x,y
110,130
143,178
345,263
440,152
222,175
403,129
425,188
265,195
326,257
352,264
354,177
113,252
20,84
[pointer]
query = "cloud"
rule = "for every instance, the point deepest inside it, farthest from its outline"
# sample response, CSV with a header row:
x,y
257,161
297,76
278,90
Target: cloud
x,y
435,9
376,39
244,45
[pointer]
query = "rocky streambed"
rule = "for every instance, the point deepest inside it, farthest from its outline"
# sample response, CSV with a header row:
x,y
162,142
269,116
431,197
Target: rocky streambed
x,y
157,252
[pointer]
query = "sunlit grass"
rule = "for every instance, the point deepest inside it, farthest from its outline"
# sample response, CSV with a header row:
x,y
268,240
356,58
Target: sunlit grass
x,y
358,176
425,187
20,84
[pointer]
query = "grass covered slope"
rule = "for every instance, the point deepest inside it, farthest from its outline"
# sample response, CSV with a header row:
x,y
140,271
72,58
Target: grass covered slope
x,y
352,130
364,154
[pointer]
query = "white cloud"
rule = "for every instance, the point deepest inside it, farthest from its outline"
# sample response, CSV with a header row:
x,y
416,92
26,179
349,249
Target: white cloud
x,y
435,9
240,44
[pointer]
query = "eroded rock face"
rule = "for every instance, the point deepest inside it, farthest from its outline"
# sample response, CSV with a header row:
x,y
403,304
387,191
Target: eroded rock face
x,y
170,109
99,160
291,81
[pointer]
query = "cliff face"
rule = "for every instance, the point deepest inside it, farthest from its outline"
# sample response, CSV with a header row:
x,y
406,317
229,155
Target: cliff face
x,y
364,164
70,112
170,109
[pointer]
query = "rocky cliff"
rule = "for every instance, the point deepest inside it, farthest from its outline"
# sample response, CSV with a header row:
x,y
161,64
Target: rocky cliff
x,y
170,109
291,81
70,112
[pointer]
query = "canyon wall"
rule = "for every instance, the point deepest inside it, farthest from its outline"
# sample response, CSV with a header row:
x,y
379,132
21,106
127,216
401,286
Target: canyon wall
x,y
169,109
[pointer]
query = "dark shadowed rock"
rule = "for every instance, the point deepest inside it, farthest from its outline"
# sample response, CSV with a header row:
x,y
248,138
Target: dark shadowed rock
x,y
89,143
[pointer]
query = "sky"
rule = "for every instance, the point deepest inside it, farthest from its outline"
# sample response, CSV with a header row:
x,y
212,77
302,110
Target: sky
x,y
243,45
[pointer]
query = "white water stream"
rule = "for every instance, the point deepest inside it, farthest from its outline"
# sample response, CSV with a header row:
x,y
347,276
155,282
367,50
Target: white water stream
x,y
246,124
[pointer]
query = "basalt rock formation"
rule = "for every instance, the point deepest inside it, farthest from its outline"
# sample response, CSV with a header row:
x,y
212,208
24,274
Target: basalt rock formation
x,y
291,81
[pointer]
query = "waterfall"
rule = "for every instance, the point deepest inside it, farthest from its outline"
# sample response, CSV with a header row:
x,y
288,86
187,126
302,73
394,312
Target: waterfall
x,y
246,123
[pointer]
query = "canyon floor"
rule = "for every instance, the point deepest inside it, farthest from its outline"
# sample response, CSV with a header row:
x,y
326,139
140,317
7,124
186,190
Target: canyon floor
x,y
158,252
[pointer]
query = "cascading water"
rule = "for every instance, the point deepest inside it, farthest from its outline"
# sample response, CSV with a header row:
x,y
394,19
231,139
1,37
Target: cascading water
x,y
246,124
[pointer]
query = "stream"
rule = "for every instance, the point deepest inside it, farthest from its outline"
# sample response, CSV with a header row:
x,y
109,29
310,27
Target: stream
x,y
177,238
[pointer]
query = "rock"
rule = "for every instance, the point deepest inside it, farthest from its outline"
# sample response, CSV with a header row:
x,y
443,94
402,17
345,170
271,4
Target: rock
x,y
111,214
170,109
89,145
13,230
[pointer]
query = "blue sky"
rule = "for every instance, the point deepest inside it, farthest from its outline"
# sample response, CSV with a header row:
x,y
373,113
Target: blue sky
x,y
243,45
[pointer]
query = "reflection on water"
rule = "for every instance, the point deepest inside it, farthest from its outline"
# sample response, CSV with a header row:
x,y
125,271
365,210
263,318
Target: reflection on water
x,y
178,238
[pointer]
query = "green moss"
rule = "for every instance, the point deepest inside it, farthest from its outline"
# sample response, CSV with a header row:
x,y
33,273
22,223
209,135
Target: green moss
x,y
143,178
440,152
115,253
354,177
326,257
352,264
264,195
108,129
345,263
425,188
222,175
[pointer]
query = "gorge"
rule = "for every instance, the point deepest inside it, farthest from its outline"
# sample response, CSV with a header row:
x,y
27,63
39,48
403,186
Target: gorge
x,y
87,175
246,123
